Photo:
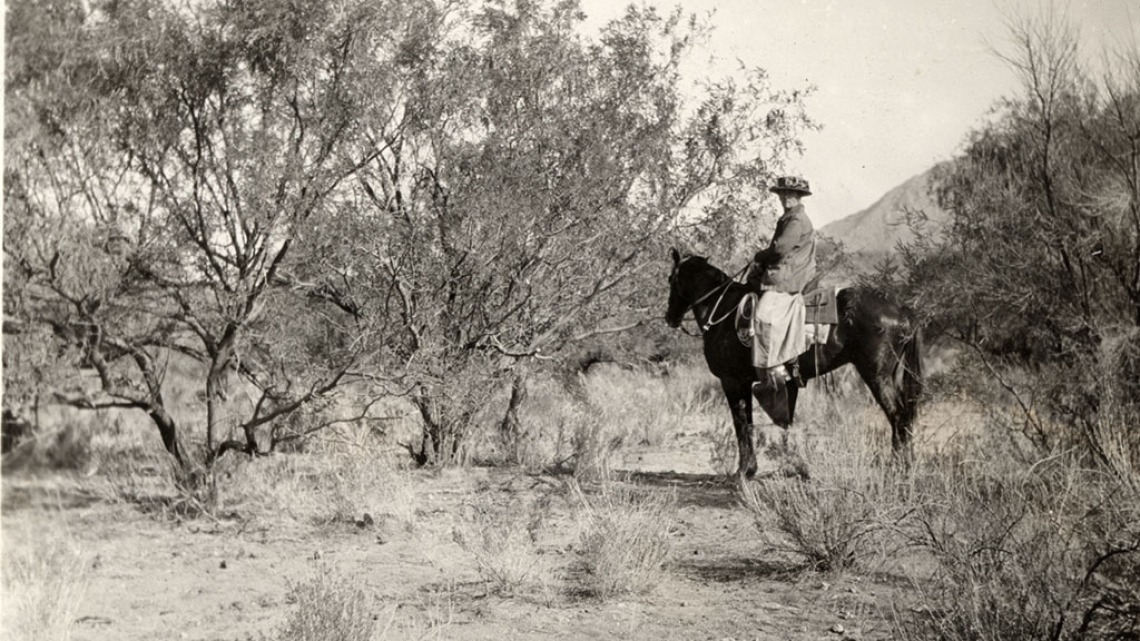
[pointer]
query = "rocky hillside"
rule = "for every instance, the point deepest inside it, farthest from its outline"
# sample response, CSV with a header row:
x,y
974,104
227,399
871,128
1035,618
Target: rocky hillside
x,y
871,235
877,229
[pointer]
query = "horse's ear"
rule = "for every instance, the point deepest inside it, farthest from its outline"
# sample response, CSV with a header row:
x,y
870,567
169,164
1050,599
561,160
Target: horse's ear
x,y
675,254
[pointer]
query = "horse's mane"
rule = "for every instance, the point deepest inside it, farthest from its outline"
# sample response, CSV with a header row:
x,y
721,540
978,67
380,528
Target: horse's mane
x,y
705,266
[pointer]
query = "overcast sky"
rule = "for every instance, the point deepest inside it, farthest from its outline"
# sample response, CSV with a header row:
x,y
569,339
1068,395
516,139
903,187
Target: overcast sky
x,y
899,82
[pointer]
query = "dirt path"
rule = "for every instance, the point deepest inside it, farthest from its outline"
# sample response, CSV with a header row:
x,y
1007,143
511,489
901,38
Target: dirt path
x,y
154,578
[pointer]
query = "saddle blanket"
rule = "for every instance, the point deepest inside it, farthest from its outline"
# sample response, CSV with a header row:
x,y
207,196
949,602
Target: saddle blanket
x,y
778,326
821,307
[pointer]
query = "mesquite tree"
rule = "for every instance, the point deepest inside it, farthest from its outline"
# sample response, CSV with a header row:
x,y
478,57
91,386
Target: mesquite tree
x,y
1040,265
162,161
523,197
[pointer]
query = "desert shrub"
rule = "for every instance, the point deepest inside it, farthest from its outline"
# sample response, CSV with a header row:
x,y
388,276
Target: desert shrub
x,y
831,526
845,515
561,429
1051,551
581,422
690,389
1025,275
329,484
503,539
721,439
44,583
354,485
593,443
156,484
56,446
545,419
641,406
625,538
328,606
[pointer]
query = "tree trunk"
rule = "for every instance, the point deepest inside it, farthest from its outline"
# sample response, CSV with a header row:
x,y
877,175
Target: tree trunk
x,y
215,388
213,412
168,430
443,431
510,429
155,405
429,446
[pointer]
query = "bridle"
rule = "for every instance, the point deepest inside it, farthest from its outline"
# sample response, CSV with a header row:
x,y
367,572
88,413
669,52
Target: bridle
x,y
722,289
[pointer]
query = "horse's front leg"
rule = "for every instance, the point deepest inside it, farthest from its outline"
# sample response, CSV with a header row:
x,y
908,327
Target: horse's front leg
x,y
739,396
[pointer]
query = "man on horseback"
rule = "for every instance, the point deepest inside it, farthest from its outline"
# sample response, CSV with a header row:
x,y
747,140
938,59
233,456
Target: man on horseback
x,y
784,267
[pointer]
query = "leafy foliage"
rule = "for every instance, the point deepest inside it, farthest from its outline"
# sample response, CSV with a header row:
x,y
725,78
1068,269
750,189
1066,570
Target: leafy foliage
x,y
1040,265
424,196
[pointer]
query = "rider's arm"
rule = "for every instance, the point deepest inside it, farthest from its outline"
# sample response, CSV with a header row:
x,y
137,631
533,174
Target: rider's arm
x,y
793,234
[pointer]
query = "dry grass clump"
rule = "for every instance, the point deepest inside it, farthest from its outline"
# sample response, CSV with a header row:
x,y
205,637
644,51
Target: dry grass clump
x,y
503,539
326,607
44,583
843,517
155,483
846,515
690,389
563,429
639,407
593,444
583,423
721,440
57,445
1051,551
625,538
1034,528
334,478
324,485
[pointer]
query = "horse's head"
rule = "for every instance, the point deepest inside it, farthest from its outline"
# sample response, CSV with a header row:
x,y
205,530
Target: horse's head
x,y
691,278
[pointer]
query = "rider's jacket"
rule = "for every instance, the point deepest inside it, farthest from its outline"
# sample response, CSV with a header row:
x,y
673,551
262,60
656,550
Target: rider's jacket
x,y
788,263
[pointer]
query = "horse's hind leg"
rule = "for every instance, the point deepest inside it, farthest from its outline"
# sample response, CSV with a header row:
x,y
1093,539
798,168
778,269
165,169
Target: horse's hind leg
x,y
883,389
739,396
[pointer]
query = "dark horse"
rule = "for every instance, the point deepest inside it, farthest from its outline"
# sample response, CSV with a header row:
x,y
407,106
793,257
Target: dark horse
x,y
875,335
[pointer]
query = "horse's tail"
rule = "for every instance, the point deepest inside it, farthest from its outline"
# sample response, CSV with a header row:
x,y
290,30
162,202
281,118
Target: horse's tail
x,y
910,377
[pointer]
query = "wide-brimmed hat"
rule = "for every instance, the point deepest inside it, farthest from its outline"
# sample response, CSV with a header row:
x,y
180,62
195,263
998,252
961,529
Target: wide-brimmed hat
x,y
791,183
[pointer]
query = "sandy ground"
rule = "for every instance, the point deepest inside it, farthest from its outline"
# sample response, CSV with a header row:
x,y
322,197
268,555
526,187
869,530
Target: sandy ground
x,y
156,577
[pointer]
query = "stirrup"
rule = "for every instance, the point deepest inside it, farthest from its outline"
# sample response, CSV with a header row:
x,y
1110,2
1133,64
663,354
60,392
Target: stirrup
x,y
794,375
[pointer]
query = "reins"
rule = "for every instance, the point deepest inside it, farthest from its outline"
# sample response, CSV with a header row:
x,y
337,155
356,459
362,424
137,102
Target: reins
x,y
722,289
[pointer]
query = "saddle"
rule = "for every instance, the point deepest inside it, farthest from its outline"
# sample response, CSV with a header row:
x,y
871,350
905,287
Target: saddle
x,y
821,311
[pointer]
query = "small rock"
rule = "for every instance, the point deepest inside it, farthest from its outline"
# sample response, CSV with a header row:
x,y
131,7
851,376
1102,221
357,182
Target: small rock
x,y
837,629
223,564
316,554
